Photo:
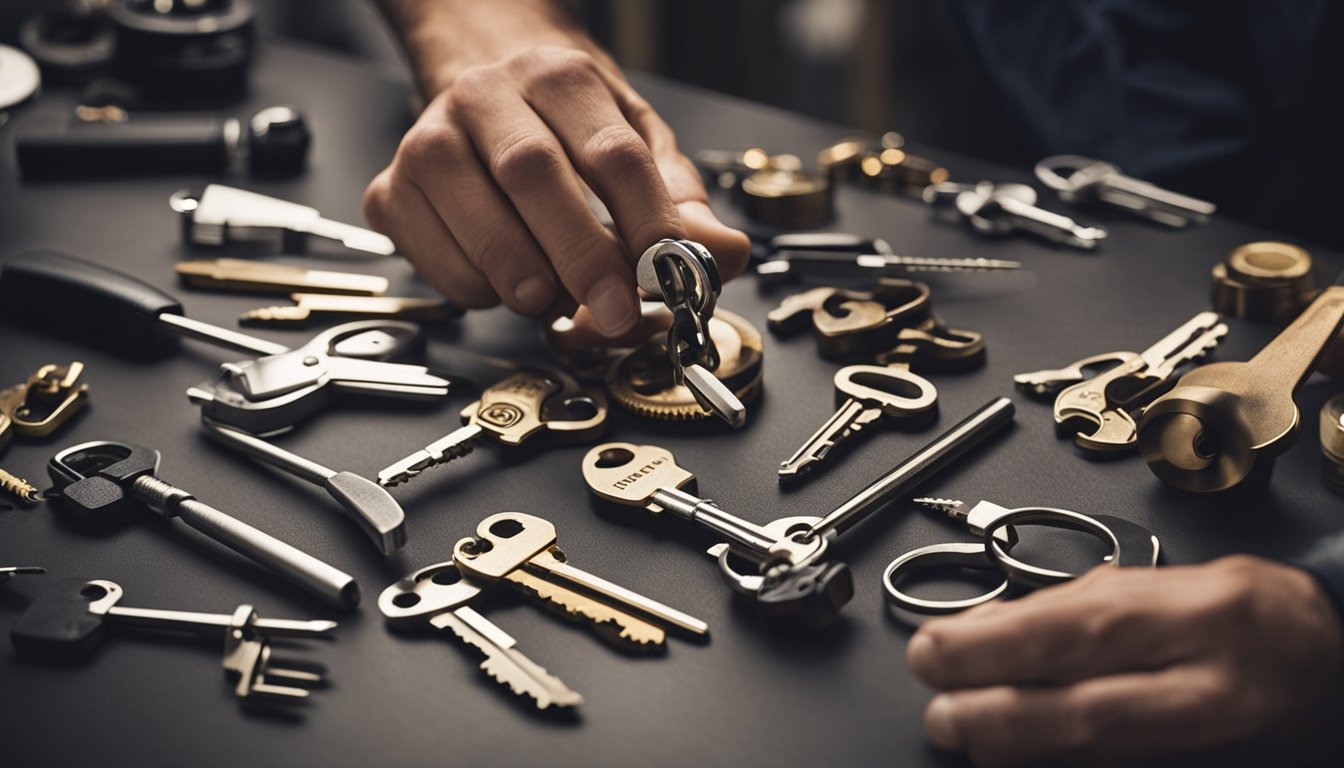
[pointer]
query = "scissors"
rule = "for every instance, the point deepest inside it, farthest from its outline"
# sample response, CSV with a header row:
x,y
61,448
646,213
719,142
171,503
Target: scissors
x,y
1130,545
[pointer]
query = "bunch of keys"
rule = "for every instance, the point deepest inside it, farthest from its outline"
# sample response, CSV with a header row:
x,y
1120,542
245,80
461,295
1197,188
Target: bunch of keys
x,y
1082,179
893,323
683,274
996,210
1129,545
787,575
265,395
1100,411
520,551
36,407
69,620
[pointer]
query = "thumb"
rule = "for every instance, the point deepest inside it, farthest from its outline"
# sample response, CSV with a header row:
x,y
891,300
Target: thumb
x,y
729,247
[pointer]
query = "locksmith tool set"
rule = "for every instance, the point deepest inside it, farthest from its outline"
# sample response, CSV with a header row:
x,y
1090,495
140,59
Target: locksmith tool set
x,y
1200,426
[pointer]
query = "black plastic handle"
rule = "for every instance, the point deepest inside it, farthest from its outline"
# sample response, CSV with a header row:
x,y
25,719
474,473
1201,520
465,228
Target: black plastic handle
x,y
59,295
84,150
58,625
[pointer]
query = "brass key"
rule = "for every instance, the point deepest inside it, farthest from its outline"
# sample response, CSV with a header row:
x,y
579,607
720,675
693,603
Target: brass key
x,y
263,277
521,550
310,306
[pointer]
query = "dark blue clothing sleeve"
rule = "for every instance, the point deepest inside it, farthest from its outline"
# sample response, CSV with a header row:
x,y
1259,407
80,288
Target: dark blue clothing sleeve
x,y
1325,561
1167,90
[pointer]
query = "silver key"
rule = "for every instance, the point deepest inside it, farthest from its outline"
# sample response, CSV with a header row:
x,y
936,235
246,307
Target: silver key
x,y
1081,179
869,394
364,501
220,214
527,404
438,596
247,650
1000,209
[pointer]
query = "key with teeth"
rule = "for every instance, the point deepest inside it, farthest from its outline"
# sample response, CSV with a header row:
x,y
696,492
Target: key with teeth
x,y
521,550
67,622
530,403
1100,410
438,596
868,395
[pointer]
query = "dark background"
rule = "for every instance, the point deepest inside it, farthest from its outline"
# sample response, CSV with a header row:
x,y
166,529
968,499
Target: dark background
x,y
757,693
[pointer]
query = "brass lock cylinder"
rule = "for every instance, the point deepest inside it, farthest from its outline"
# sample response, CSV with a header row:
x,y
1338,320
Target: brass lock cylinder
x,y
788,198
1332,441
1263,281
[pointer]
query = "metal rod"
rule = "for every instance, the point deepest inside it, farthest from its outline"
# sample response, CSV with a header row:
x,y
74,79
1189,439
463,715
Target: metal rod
x,y
274,455
220,337
944,449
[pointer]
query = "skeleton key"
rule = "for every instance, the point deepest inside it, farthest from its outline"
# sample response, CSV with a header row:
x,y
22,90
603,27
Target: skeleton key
x,y
530,403
69,620
1105,401
790,581
1048,382
439,596
521,549
868,394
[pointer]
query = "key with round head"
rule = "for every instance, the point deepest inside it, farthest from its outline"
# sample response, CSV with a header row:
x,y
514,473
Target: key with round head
x,y
685,276
868,395
796,583
1082,179
1001,209
102,482
527,405
438,596
69,620
521,550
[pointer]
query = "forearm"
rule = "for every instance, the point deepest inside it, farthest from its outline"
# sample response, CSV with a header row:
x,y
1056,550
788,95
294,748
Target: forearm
x,y
444,37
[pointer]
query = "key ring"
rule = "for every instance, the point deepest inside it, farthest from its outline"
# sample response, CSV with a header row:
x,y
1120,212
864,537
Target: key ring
x,y
970,555
683,273
1022,572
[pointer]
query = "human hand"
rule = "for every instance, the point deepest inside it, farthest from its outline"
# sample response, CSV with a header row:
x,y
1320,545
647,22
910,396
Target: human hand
x,y
486,194
1124,664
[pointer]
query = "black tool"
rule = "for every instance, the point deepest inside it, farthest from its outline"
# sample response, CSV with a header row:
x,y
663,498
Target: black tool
x,y
101,483
274,142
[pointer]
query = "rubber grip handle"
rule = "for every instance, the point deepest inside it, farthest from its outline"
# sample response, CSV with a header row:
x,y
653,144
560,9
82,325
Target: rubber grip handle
x,y
58,626
130,149
59,295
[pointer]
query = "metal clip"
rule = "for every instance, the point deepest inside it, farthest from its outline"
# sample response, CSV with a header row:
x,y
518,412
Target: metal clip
x,y
43,402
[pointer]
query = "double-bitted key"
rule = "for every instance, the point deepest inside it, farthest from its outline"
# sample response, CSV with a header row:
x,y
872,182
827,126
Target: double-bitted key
x,y
529,403
439,597
868,395
521,550
68,621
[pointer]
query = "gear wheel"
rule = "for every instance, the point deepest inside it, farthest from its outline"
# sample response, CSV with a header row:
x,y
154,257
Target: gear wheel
x,y
641,381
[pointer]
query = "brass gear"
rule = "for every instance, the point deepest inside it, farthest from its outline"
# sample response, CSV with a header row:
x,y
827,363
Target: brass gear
x,y
641,380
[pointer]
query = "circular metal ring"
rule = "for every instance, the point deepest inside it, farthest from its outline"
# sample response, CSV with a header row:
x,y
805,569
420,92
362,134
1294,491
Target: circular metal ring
x,y
974,556
1026,573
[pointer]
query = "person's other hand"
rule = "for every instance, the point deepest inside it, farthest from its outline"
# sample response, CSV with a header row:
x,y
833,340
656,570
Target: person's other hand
x,y
1125,664
486,193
